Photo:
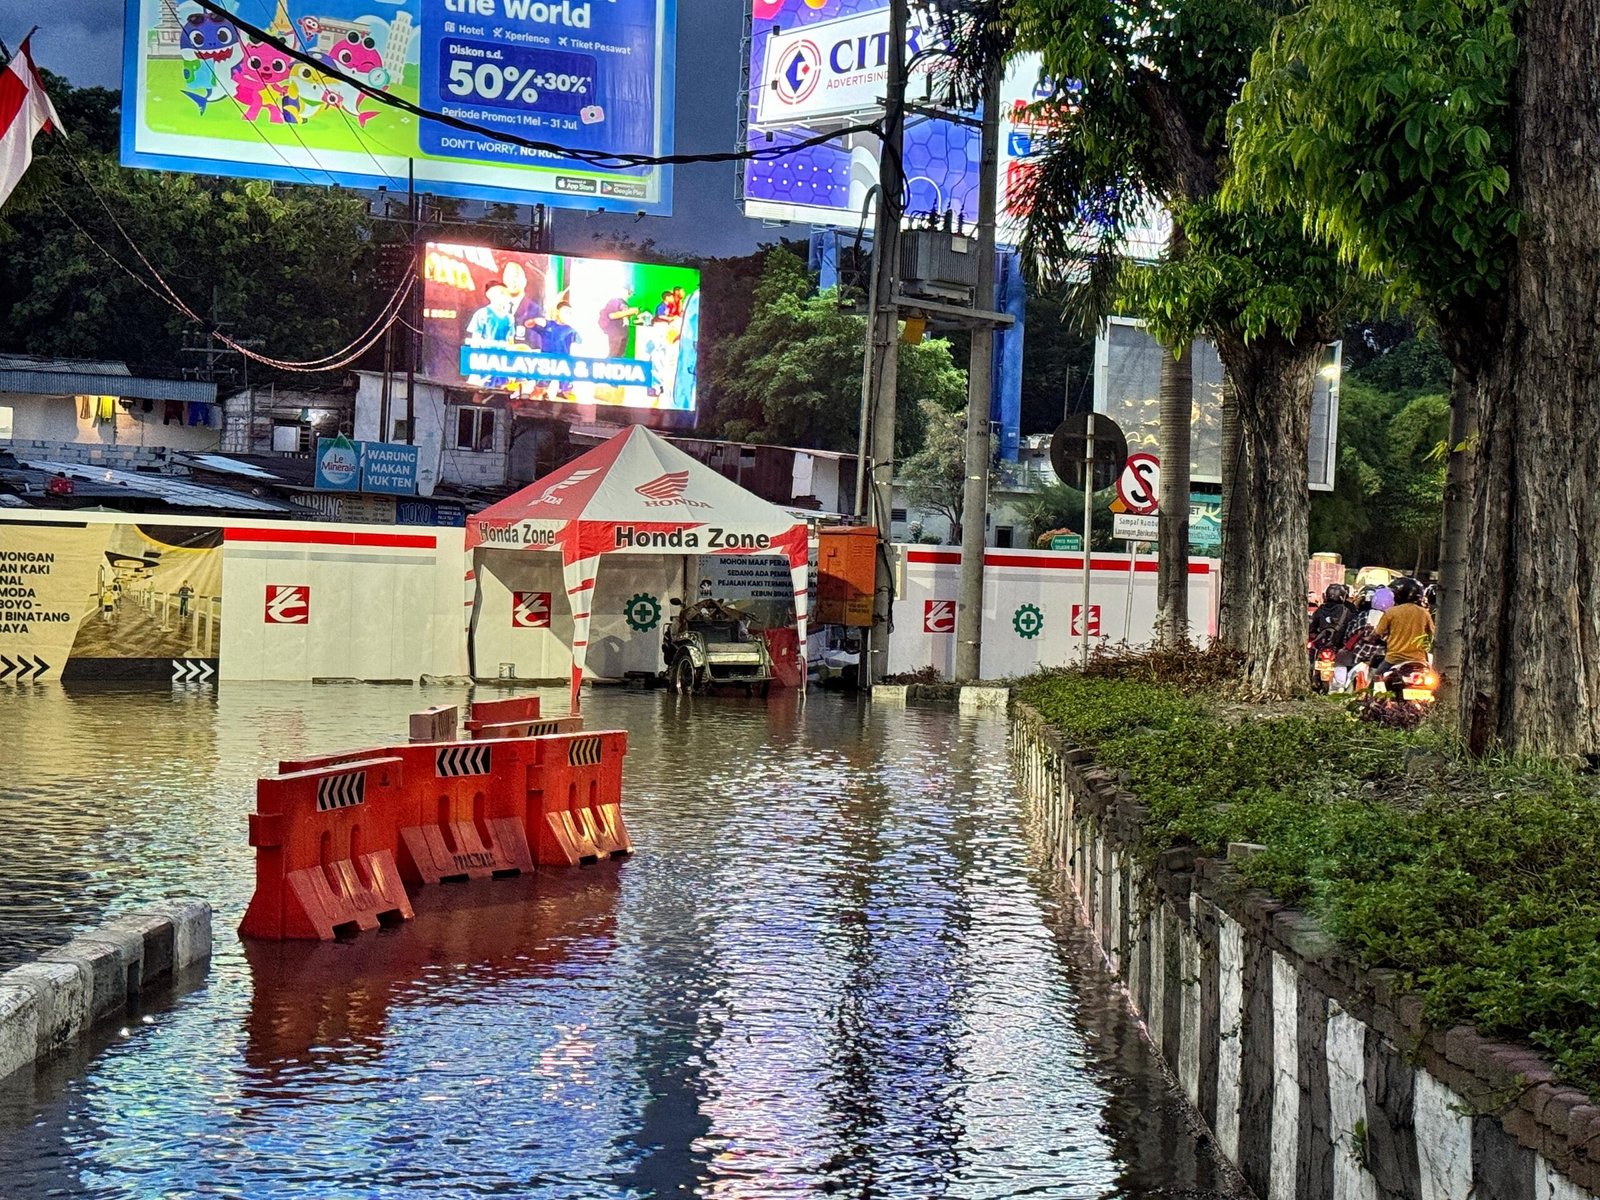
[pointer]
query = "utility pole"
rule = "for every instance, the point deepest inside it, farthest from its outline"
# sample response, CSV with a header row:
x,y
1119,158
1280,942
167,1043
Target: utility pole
x,y
414,307
875,471
980,386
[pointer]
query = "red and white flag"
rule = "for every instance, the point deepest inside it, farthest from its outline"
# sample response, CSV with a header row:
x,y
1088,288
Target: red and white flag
x,y
25,109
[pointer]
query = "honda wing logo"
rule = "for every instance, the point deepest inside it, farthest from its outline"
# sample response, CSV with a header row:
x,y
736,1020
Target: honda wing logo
x,y
668,489
665,488
549,496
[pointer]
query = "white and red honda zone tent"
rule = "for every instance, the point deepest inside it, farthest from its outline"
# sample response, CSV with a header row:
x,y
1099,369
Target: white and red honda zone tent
x,y
621,522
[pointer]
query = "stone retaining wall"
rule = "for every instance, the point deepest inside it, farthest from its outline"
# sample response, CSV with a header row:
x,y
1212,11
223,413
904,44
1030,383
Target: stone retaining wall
x,y
1318,1081
48,1004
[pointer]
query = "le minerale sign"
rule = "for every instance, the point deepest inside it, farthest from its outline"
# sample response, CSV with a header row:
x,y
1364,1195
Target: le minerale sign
x,y
378,468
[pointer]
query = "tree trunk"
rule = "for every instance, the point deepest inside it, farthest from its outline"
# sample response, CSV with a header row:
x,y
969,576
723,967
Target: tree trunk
x,y
1172,577
1267,507
1449,624
1176,417
1237,518
1530,678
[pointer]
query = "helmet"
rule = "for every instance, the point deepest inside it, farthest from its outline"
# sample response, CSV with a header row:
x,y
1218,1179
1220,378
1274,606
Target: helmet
x,y
1335,593
1383,599
1430,595
1406,590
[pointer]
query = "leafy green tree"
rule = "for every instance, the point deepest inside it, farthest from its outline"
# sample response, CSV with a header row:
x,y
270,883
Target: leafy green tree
x,y
291,266
1143,124
793,375
1388,494
1450,146
935,477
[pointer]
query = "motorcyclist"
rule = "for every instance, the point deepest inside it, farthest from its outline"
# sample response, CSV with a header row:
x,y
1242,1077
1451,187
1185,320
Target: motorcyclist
x,y
1407,628
1330,624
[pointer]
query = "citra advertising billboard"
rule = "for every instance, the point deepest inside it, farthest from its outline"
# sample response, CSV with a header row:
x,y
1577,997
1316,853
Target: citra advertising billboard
x,y
821,66
551,330
202,94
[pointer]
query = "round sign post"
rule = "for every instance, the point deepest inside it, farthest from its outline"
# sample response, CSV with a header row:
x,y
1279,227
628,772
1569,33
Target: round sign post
x,y
1139,485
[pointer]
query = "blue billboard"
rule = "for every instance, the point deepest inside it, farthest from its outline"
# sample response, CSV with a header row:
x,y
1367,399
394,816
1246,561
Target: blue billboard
x,y
202,94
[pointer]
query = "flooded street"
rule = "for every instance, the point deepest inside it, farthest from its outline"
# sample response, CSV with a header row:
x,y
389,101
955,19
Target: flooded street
x,y
834,967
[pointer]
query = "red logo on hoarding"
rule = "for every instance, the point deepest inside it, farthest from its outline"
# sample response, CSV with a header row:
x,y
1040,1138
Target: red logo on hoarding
x,y
288,604
1094,620
530,610
938,616
665,488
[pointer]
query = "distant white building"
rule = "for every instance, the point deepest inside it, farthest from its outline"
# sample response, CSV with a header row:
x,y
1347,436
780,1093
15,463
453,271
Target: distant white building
x,y
71,410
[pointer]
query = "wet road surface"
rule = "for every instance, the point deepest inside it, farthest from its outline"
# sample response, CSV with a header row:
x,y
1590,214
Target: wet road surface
x,y
834,967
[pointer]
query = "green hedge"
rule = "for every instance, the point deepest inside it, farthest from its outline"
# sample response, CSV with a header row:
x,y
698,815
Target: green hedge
x,y
1478,881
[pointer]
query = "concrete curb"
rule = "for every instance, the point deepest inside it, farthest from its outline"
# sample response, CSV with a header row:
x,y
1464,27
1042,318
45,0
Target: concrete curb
x,y
48,1004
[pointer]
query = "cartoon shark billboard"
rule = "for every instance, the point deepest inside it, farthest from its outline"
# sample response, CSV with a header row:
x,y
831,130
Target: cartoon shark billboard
x,y
204,93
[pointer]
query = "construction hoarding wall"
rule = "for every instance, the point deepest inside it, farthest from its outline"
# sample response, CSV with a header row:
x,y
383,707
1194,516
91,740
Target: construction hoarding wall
x,y
554,331
200,94
97,596
1032,606
1127,388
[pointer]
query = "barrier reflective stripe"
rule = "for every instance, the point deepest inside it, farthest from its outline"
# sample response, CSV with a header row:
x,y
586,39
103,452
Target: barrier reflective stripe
x,y
518,729
324,841
583,752
462,760
341,791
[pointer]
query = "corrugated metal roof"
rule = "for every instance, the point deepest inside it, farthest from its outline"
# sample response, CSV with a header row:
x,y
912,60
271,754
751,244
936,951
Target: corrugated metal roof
x,y
36,381
181,493
89,366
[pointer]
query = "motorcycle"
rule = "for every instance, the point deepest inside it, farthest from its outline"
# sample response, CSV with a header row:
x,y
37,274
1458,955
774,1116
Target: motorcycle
x,y
1324,666
1413,682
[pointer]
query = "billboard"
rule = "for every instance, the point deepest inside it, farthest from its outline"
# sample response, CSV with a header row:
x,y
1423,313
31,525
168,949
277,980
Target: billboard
x,y
819,66
548,329
200,95
1127,388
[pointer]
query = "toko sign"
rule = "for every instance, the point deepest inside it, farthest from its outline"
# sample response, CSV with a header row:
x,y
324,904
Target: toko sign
x,y
202,93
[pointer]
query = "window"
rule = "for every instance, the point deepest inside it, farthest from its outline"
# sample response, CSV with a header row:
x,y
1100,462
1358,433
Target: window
x,y
1002,536
897,514
5,421
401,431
285,439
475,429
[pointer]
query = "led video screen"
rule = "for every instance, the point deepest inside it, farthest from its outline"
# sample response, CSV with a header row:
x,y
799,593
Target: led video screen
x,y
552,329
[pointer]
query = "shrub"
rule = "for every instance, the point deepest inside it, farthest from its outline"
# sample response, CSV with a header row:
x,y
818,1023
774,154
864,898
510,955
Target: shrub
x,y
1475,881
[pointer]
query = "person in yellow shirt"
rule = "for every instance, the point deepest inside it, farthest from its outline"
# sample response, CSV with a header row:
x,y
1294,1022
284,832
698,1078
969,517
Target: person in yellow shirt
x,y
1407,628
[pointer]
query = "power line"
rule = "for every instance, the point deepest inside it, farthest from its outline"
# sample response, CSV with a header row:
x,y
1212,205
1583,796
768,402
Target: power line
x,y
598,159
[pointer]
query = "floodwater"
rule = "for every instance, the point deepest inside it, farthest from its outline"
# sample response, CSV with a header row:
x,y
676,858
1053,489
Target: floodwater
x,y
834,967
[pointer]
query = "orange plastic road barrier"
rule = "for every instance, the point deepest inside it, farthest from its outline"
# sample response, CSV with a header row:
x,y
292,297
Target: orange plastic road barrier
x,y
520,729
574,799
460,817
517,708
324,841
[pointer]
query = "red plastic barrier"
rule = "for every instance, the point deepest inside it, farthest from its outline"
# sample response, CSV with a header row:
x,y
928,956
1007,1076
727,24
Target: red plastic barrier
x,y
522,729
574,799
784,646
517,708
324,843
460,816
